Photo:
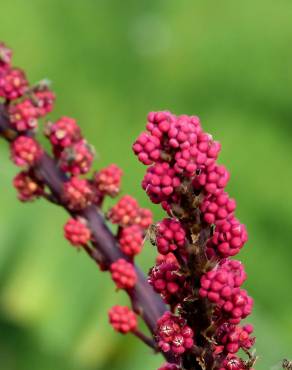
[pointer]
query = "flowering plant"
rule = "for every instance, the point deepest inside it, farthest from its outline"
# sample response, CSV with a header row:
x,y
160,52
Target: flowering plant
x,y
192,300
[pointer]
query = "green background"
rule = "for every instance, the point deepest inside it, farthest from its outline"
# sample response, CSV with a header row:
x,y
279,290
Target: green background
x,y
111,62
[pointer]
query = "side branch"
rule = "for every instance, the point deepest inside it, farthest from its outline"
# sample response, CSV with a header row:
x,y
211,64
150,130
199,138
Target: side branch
x,y
105,250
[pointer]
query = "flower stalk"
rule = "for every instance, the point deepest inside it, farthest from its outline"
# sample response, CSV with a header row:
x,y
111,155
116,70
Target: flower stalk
x,y
192,301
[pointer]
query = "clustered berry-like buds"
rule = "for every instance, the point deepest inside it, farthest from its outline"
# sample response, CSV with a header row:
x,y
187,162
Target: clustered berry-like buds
x,y
217,208
123,274
123,319
144,218
212,179
108,180
173,334
77,159
147,148
160,182
76,232
127,212
63,133
218,284
194,274
232,363
238,306
168,258
194,158
231,337
222,287
77,193
27,187
43,99
168,281
131,240
170,236
25,151
13,83
229,237
23,116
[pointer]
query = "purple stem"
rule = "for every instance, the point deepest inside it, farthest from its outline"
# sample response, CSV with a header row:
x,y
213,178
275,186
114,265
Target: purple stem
x,y
145,301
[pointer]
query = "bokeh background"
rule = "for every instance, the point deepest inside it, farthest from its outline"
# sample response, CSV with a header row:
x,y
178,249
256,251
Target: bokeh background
x,y
230,62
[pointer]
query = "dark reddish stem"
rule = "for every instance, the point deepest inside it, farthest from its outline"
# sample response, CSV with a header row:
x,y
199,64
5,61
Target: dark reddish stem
x,y
148,341
105,249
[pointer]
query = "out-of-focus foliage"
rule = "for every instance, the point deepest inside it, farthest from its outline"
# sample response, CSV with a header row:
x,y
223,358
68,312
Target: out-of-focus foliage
x,y
111,62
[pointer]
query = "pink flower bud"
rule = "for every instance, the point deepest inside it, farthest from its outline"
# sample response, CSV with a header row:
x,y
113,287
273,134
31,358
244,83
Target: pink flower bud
x,y
13,83
122,319
77,193
131,240
25,151
123,274
77,158
27,187
108,180
76,232
173,334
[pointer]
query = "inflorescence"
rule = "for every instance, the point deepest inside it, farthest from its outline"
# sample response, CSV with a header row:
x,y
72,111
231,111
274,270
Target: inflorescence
x,y
194,273
202,285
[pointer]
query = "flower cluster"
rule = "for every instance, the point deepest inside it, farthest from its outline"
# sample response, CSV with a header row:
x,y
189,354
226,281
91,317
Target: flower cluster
x,y
222,287
131,240
194,273
173,334
123,274
24,114
233,337
127,212
25,151
13,83
28,188
77,159
59,178
122,319
170,236
108,180
200,326
76,232
167,280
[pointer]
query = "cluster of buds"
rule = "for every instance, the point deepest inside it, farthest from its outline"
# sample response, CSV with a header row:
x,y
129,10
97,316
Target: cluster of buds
x,y
23,106
108,180
173,334
194,272
170,236
123,274
131,240
167,280
28,188
233,337
127,212
222,287
199,327
25,151
122,319
24,114
13,83
76,232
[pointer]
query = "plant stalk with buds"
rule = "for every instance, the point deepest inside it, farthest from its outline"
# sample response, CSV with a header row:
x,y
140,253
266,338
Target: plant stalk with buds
x,y
192,300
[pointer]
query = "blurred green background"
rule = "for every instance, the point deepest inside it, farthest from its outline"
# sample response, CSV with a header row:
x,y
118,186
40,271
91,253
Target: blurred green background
x,y
230,62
